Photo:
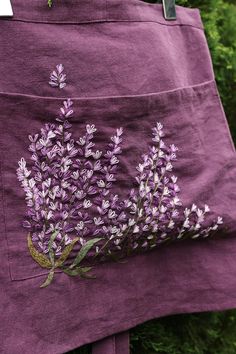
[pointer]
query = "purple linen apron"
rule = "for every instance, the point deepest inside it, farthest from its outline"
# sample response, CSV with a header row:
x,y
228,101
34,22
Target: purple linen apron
x,y
117,164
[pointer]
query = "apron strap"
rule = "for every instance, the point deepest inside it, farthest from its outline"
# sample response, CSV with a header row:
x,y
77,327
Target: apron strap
x,y
115,344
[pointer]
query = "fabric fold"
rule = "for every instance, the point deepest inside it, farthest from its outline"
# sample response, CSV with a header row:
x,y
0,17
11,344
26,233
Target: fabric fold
x,y
116,344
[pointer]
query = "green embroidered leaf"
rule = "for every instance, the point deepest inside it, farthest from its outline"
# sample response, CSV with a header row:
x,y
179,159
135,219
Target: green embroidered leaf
x,y
51,253
66,253
49,279
84,274
72,272
83,251
40,258
50,3
77,271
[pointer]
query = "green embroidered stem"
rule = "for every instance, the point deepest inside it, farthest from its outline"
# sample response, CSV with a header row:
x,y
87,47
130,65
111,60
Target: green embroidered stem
x,y
50,3
51,253
60,261
74,269
83,252
65,254
49,278
81,271
52,259
102,248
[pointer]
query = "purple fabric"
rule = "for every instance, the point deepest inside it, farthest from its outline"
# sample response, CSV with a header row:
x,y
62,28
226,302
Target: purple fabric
x,y
126,67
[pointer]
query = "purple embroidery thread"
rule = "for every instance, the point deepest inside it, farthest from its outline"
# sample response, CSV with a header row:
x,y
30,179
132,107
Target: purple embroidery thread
x,y
68,193
58,78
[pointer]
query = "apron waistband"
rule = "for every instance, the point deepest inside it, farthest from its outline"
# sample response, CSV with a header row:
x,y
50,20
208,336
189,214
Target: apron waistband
x,y
84,11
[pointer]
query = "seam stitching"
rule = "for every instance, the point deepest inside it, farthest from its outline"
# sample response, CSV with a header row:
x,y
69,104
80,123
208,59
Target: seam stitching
x,y
99,21
4,219
84,98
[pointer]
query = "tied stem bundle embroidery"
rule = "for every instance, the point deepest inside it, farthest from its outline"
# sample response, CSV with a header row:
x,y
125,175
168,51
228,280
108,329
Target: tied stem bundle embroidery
x,y
74,219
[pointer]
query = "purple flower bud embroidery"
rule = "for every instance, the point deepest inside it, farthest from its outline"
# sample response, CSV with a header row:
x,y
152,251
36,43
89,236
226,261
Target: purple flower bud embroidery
x,y
58,77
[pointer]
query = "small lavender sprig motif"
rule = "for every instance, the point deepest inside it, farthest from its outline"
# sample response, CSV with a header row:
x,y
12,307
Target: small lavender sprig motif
x,y
58,77
71,207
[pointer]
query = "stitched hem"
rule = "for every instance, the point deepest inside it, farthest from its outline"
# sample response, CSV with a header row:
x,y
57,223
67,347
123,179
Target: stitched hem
x,y
85,98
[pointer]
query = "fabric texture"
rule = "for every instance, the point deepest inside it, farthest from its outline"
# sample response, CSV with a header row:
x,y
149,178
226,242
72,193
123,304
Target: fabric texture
x,y
114,147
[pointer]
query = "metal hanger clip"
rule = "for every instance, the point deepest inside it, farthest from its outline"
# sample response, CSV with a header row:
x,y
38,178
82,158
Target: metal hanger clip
x,y
169,9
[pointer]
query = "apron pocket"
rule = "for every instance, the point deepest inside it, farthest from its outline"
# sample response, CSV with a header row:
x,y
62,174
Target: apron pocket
x,y
83,166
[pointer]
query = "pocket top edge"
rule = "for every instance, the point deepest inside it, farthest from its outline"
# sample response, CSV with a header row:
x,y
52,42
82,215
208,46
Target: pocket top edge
x,y
180,91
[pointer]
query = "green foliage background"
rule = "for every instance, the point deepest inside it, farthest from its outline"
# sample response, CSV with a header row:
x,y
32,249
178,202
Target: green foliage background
x,y
207,332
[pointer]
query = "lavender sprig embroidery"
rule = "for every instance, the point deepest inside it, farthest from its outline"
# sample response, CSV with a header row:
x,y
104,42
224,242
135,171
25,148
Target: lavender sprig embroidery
x,y
71,206
58,77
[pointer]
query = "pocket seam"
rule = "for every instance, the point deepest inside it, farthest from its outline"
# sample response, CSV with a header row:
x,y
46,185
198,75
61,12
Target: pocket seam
x,y
88,98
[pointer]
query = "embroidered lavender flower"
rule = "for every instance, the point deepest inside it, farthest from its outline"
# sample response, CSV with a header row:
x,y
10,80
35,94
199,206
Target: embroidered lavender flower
x,y
58,77
155,205
70,202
